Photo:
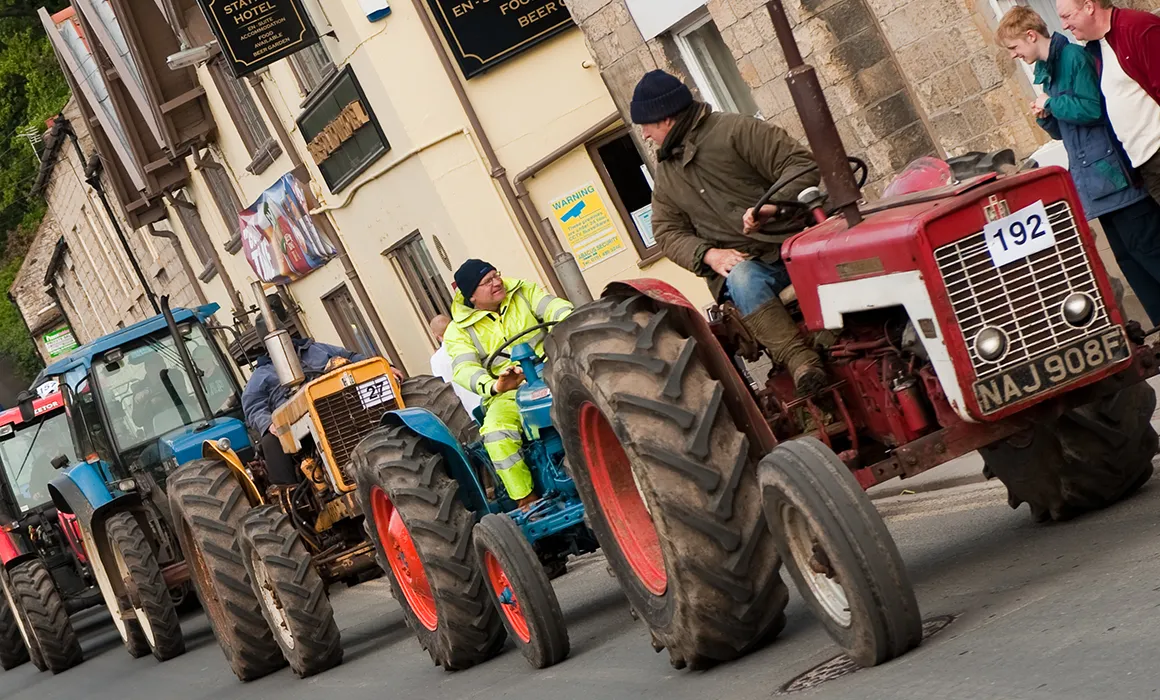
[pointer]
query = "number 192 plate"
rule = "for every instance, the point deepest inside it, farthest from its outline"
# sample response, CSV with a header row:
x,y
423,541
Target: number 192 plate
x,y
1020,234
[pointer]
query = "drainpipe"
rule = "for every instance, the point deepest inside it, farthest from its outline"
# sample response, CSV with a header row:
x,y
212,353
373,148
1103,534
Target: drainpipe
x,y
352,275
563,261
181,257
495,168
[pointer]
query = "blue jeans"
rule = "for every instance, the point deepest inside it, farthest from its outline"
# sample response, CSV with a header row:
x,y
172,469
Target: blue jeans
x,y
751,284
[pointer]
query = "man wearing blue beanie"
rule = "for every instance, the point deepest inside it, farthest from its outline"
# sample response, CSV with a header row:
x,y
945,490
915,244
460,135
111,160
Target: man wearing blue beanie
x,y
711,168
487,311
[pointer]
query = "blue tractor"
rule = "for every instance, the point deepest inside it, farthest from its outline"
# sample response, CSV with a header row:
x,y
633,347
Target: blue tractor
x,y
463,560
142,401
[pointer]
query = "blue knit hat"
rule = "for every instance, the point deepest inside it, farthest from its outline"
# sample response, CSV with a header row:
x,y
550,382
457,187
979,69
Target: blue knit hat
x,y
659,96
469,275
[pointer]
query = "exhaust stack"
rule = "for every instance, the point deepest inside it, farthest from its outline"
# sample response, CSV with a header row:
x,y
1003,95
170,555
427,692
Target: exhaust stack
x,y
814,111
279,345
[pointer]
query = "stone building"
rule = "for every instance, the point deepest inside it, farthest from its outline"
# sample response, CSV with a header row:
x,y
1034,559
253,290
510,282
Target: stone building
x,y
904,78
77,282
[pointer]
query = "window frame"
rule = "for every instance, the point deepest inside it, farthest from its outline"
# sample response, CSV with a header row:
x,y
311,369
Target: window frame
x,y
408,271
697,71
326,72
239,102
221,185
199,238
647,254
341,326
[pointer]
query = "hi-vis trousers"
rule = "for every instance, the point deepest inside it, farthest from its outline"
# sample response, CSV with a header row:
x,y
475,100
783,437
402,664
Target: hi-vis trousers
x,y
502,438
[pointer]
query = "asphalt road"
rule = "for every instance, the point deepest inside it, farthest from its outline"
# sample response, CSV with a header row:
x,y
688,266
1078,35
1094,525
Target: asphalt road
x,y
1063,611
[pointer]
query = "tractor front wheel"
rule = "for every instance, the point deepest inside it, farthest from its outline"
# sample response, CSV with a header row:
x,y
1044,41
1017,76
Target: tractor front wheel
x,y
667,480
839,552
422,536
208,505
290,591
50,632
521,591
14,642
148,596
1087,459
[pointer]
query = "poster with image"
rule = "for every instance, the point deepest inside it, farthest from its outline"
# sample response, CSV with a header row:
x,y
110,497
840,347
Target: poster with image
x,y
279,237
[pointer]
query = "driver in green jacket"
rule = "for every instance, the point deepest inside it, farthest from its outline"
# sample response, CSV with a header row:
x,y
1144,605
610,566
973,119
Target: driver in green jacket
x,y
487,311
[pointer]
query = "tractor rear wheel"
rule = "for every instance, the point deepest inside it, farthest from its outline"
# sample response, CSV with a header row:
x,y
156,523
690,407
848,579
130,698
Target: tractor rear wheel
x,y
48,624
1087,459
149,597
521,591
422,536
838,552
208,505
668,480
290,591
13,650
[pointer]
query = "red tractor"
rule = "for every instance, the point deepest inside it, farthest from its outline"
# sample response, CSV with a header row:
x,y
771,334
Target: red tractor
x,y
972,316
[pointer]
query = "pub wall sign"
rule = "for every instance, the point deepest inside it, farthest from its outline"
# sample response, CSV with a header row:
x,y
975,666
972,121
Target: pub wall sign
x,y
483,33
255,33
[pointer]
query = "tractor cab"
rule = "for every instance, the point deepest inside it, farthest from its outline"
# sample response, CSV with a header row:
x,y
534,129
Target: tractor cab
x,y
27,450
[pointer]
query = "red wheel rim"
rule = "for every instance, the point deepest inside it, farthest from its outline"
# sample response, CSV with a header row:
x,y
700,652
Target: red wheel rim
x,y
403,559
620,499
505,593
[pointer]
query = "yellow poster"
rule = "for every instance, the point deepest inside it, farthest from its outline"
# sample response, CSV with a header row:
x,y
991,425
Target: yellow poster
x,y
587,226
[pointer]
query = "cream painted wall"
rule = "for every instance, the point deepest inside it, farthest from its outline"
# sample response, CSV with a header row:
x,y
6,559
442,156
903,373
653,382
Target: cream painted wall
x,y
434,179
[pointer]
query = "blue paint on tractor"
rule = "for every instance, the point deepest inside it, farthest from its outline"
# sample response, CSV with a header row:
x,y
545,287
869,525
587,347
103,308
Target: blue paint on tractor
x,y
184,444
92,480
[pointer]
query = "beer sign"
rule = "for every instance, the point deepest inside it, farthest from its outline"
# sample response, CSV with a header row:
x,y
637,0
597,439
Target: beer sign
x,y
255,33
483,33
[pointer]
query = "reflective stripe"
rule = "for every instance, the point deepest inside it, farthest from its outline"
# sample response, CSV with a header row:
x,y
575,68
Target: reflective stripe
x,y
501,435
510,462
559,313
475,341
463,359
479,374
528,302
542,307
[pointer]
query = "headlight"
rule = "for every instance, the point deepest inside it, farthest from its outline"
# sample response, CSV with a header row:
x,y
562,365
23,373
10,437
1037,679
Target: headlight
x,y
170,464
1078,309
991,343
224,444
126,485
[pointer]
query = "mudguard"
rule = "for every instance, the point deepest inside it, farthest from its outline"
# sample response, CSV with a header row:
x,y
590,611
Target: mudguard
x,y
211,449
427,425
14,549
80,490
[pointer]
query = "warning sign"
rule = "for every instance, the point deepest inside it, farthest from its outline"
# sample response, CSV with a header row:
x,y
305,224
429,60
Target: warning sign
x,y
587,226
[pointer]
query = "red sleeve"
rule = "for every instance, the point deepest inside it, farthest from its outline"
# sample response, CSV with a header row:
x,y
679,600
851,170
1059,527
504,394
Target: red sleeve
x,y
1148,58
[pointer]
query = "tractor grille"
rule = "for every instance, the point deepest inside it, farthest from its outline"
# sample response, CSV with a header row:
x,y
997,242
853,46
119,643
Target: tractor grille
x,y
1024,298
348,415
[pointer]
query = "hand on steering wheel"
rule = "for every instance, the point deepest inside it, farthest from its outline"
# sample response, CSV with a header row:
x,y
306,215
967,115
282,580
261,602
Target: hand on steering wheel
x,y
489,363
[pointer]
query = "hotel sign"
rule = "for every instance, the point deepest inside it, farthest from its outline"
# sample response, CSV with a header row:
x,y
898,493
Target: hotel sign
x,y
483,33
255,33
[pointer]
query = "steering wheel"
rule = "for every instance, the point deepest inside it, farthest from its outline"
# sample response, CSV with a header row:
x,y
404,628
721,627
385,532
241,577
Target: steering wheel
x,y
767,198
487,364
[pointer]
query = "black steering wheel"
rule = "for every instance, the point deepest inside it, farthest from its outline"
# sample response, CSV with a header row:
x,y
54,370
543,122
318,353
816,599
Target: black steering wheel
x,y
487,364
767,198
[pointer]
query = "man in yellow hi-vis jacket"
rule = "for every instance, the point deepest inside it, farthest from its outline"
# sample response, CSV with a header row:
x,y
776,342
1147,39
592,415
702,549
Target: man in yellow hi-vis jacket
x,y
487,311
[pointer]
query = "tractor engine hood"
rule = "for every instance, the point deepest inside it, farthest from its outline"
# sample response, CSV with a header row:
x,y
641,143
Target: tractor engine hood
x,y
184,444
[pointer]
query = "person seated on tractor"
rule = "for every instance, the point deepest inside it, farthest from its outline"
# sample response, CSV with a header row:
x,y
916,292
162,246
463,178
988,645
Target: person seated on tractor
x,y
264,394
487,311
219,390
711,168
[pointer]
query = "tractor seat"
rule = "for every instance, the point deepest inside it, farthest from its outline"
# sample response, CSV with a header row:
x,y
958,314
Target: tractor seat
x,y
787,295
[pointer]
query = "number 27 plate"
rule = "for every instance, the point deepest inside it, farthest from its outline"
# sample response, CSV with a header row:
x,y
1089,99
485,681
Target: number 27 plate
x,y
1020,234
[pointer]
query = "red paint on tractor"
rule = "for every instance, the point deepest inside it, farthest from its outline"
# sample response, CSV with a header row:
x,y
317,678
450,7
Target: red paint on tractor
x,y
399,549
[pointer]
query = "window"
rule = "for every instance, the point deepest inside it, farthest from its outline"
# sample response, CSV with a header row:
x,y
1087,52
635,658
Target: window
x,y
247,118
349,323
195,229
413,264
711,65
623,171
225,197
311,66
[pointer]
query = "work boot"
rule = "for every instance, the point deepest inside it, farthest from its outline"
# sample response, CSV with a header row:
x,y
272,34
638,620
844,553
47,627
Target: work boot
x,y
775,329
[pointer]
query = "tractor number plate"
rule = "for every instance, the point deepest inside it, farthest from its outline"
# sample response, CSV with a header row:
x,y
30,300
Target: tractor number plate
x,y
1053,370
1022,233
375,392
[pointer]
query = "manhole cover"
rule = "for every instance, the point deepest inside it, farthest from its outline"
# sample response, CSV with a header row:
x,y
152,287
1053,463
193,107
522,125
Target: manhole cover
x,y
842,665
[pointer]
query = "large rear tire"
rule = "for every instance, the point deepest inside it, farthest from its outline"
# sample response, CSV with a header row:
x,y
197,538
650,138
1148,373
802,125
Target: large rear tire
x,y
13,650
157,622
208,505
49,627
290,591
1087,459
422,536
667,479
838,552
521,591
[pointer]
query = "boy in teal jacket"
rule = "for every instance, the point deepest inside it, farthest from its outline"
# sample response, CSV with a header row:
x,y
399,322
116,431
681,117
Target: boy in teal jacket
x,y
1072,110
